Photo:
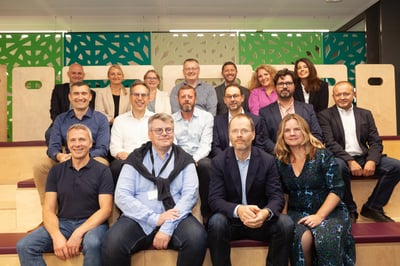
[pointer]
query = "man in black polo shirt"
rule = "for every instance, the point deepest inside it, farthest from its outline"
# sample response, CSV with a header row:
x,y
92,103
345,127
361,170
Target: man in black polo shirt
x,y
77,204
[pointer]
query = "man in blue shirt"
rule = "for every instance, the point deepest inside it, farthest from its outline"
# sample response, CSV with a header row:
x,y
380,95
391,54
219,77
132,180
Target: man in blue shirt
x,y
77,203
156,191
79,97
193,133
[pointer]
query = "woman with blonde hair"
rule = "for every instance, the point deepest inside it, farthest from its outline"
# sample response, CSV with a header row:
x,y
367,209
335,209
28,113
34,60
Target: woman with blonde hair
x,y
262,88
113,99
159,100
313,190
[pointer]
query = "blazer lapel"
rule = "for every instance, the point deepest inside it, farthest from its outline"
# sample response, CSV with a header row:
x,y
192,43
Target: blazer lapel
x,y
252,170
357,118
233,169
338,122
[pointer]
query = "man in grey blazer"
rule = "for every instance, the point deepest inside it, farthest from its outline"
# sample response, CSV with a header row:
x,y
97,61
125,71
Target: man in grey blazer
x,y
351,135
272,114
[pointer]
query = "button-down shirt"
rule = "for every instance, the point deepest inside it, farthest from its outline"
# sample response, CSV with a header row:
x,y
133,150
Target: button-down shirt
x,y
206,97
352,146
194,136
136,196
95,121
128,132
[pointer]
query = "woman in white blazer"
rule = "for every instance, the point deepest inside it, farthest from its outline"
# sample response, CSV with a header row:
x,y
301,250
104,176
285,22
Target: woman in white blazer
x,y
113,99
159,100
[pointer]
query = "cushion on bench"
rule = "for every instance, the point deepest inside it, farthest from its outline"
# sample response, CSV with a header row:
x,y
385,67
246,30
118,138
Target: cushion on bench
x,y
27,183
376,232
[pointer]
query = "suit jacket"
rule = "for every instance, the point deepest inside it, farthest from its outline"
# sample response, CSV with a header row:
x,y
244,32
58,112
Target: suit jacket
x,y
105,102
367,133
221,134
263,184
318,99
272,118
221,106
59,100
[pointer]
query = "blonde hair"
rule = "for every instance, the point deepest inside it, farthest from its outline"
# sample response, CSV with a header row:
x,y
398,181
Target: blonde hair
x,y
311,143
254,83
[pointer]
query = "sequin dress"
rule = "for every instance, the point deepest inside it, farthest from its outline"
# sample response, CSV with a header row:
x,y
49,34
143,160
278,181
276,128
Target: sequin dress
x,y
334,244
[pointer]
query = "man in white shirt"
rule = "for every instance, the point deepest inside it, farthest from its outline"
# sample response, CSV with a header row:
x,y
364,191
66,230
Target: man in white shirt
x,y
351,135
129,130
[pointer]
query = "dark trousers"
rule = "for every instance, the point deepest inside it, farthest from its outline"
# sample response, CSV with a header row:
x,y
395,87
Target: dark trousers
x,y
388,173
203,172
126,237
278,232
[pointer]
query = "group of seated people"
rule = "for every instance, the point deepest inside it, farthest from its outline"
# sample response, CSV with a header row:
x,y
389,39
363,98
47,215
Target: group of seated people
x,y
273,164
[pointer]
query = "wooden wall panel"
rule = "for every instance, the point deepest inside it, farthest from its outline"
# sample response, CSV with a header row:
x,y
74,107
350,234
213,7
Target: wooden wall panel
x,y
380,99
31,107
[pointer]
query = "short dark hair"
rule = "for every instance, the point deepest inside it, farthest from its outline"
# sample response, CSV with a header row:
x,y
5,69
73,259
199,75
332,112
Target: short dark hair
x,y
228,63
282,73
234,85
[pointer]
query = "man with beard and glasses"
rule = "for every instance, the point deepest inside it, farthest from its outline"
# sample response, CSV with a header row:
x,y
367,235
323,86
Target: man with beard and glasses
x,y
229,73
233,99
286,104
193,132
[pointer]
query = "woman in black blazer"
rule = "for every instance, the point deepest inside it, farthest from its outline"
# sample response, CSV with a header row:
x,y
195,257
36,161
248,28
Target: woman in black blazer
x,y
309,87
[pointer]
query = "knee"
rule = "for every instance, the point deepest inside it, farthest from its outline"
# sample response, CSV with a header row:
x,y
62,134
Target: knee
x,y
286,224
21,246
218,222
91,243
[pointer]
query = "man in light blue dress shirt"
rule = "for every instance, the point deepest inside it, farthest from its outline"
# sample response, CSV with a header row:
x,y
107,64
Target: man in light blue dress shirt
x,y
156,191
193,133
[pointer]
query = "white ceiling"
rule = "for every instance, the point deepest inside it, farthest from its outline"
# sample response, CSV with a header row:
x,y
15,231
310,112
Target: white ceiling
x,y
164,15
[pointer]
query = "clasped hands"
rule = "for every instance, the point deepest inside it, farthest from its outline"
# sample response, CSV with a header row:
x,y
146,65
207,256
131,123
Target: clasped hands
x,y
252,216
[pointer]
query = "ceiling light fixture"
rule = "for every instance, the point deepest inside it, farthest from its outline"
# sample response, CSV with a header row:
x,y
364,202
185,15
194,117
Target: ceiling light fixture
x,y
298,30
212,31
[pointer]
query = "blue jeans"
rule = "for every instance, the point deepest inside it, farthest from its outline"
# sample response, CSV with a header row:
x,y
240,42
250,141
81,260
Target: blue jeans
x,y
278,232
126,237
31,247
388,172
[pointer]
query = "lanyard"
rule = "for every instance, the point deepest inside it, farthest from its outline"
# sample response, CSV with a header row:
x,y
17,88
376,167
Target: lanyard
x,y
163,167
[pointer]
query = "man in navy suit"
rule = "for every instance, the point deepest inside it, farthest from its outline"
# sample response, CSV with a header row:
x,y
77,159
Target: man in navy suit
x,y
246,198
272,114
233,99
351,135
59,102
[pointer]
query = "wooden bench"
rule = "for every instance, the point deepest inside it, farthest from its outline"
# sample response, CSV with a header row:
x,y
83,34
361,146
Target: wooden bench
x,y
376,244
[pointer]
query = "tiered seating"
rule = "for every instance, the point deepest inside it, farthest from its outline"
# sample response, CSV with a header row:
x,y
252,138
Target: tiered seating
x,y
377,243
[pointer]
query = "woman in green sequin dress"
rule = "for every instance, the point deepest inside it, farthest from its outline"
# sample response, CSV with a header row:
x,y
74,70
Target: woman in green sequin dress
x,y
313,188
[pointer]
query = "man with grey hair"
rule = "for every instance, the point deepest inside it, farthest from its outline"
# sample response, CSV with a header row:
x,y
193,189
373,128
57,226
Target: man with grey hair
x,y
156,191
206,95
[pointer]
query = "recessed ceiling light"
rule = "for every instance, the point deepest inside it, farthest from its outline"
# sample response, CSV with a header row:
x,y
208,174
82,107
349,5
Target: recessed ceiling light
x,y
333,1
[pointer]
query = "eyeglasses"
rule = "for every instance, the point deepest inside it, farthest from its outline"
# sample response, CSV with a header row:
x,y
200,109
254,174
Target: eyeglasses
x,y
242,131
235,96
151,78
136,94
159,131
282,84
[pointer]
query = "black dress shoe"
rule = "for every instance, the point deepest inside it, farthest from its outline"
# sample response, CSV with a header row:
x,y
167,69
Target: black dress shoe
x,y
375,215
353,216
